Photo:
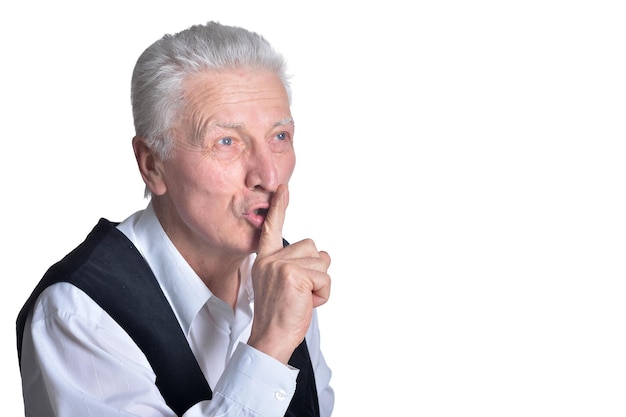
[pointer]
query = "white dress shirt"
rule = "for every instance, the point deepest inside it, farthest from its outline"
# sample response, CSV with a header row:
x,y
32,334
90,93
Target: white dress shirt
x,y
77,361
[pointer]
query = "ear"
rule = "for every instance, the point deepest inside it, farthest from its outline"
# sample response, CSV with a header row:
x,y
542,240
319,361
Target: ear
x,y
150,166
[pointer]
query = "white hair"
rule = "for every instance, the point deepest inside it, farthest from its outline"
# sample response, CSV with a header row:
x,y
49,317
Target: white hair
x,y
157,81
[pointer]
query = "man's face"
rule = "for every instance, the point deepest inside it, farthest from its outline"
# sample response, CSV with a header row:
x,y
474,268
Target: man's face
x,y
233,147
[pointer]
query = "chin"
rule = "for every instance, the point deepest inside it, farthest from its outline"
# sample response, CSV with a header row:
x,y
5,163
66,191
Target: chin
x,y
250,242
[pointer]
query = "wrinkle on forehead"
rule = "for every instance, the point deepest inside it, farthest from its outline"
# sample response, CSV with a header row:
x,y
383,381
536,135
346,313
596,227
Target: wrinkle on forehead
x,y
206,93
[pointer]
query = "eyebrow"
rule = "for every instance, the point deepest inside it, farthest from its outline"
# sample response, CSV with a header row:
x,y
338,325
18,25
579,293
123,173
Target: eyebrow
x,y
203,128
226,125
284,122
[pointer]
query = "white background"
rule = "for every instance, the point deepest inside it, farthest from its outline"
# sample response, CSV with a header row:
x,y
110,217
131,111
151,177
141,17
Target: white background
x,y
462,162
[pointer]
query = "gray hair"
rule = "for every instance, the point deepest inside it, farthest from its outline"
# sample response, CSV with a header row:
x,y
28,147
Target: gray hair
x,y
157,81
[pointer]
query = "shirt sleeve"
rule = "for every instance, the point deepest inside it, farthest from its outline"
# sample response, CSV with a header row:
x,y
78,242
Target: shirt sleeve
x,y
76,360
250,370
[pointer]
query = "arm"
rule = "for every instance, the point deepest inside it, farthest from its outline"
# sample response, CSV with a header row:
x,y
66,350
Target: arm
x,y
78,361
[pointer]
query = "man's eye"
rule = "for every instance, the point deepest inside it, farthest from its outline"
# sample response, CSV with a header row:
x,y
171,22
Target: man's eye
x,y
226,141
281,136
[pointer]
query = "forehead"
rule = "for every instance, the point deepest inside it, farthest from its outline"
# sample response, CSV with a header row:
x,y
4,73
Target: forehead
x,y
224,92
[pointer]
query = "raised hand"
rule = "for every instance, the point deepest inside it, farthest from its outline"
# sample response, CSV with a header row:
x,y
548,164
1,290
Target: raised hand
x,y
288,283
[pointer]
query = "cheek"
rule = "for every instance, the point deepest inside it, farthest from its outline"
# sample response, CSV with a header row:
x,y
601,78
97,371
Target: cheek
x,y
224,178
189,178
287,167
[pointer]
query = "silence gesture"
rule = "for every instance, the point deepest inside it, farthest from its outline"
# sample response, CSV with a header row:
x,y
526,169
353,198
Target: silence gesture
x,y
288,283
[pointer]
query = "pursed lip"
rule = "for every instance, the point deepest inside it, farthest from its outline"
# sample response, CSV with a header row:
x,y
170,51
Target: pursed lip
x,y
256,214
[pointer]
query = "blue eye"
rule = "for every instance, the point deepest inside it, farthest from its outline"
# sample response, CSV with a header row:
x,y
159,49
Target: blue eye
x,y
281,136
226,141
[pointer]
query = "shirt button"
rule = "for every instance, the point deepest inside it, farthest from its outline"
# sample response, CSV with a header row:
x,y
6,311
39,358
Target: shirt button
x,y
280,395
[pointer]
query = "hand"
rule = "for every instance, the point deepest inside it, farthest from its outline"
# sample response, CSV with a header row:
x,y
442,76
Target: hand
x,y
288,283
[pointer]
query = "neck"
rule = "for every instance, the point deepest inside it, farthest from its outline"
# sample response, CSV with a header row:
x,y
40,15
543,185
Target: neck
x,y
216,267
225,288
222,277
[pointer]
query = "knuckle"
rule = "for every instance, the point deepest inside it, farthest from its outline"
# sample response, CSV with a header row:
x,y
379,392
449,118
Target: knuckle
x,y
309,244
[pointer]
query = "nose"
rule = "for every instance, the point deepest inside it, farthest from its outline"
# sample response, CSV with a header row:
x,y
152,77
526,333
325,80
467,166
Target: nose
x,y
262,170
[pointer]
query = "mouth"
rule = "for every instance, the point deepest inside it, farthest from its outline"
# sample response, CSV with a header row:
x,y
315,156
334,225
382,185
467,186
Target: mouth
x,y
256,216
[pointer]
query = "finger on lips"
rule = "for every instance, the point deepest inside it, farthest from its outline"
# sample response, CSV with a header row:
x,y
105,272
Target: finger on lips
x,y
271,239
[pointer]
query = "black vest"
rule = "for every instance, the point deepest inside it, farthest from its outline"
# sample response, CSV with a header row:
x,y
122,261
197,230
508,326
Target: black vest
x,y
108,268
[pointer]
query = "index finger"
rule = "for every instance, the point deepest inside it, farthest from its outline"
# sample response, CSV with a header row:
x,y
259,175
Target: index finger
x,y
271,239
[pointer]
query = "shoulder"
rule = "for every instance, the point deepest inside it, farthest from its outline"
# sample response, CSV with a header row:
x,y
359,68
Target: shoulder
x,y
63,299
64,315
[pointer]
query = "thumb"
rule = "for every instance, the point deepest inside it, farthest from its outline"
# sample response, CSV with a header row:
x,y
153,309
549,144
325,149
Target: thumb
x,y
271,239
